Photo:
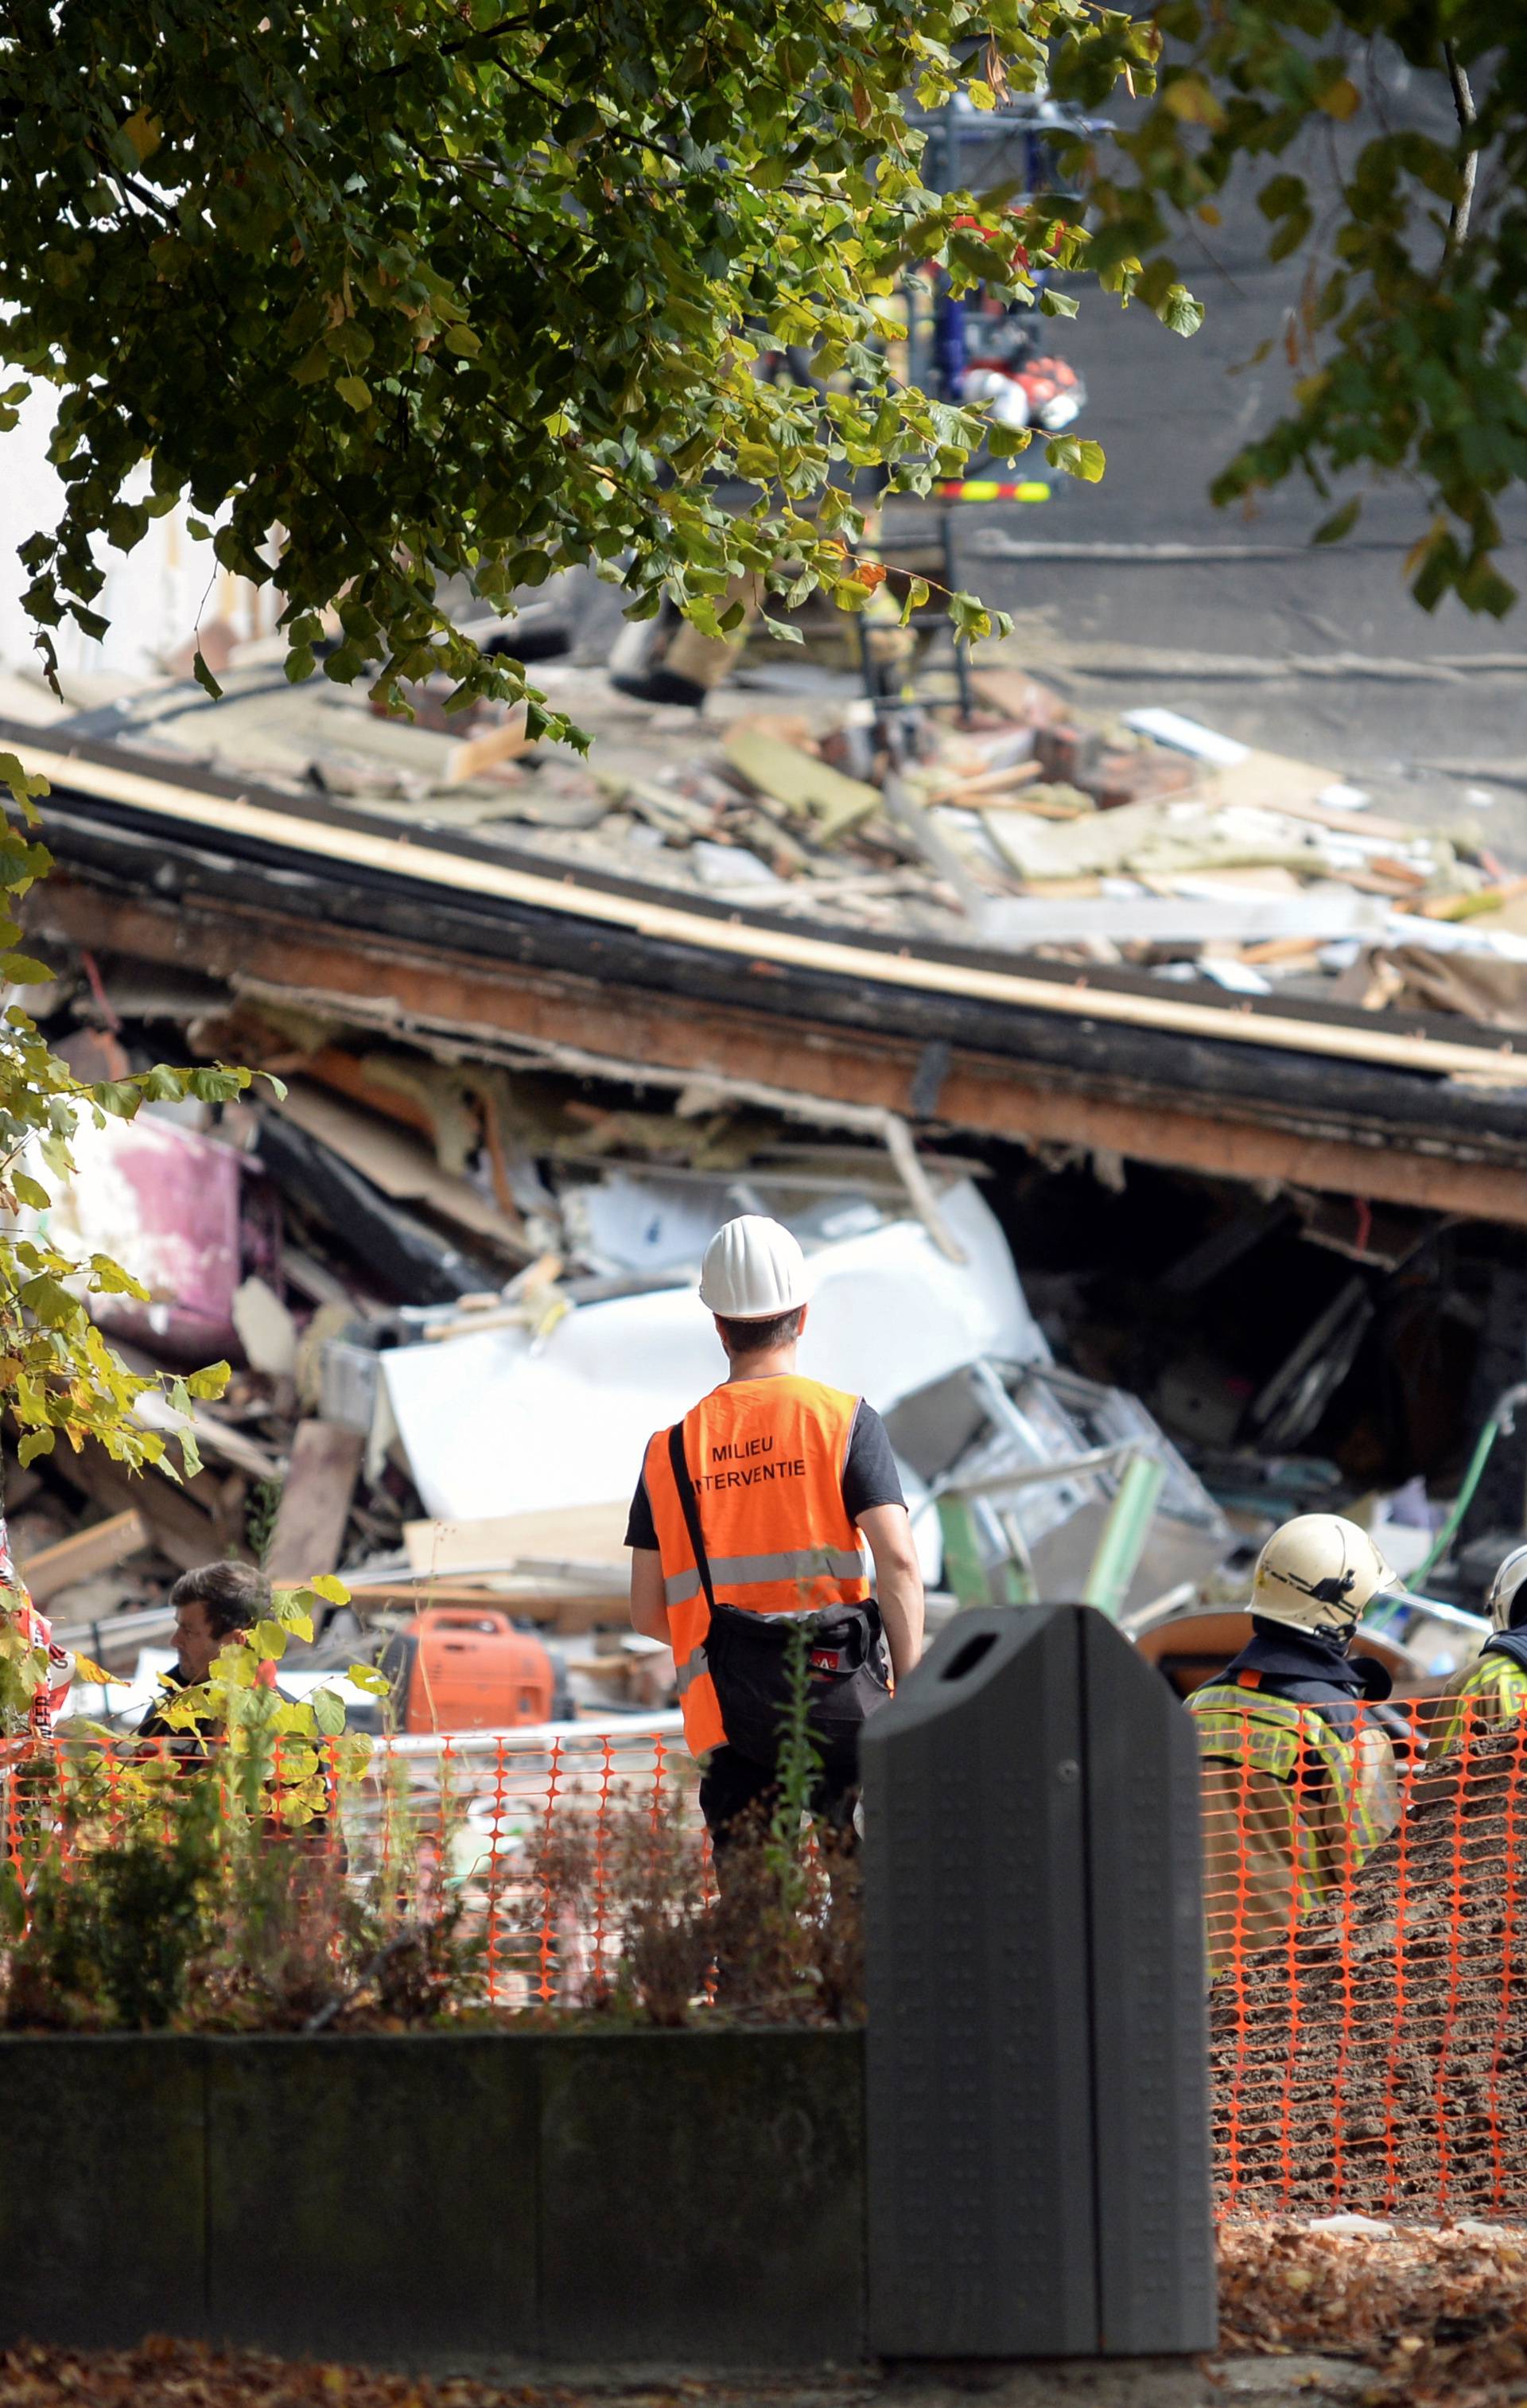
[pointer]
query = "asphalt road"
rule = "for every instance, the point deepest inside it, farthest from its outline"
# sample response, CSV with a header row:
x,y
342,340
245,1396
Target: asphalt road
x,y
1138,590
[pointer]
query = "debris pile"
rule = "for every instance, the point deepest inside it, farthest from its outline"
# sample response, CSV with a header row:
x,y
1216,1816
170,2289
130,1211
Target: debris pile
x,y
1437,2315
1379,2057
458,1297
1150,842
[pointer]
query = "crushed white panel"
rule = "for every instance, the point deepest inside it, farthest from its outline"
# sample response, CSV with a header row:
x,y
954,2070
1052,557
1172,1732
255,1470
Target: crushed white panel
x,y
1187,735
491,1424
1239,978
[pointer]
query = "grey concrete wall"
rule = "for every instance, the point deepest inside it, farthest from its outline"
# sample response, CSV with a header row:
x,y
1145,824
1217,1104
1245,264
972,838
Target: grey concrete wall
x,y
437,2199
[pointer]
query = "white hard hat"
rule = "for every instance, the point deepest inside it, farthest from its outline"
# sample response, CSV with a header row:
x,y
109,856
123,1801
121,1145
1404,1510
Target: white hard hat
x,y
1506,1588
1319,1572
753,1269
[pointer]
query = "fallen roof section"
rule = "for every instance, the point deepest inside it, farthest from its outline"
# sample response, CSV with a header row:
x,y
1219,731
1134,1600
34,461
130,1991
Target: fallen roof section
x,y
454,942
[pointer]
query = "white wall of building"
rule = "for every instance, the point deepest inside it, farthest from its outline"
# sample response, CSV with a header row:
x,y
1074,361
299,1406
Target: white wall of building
x,y
154,597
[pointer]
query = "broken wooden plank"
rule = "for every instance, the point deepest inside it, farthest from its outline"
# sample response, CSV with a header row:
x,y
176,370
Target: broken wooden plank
x,y
309,1533
98,1549
178,1526
811,788
403,1170
475,753
573,1534
569,1610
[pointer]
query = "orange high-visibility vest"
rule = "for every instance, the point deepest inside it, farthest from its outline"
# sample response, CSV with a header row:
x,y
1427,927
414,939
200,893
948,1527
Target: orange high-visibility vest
x,y
767,1458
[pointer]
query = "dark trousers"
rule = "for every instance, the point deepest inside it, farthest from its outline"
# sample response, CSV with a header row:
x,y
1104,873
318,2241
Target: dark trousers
x,y
731,1783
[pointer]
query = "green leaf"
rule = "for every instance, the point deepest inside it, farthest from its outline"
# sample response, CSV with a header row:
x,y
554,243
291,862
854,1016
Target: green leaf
x,y
22,970
1340,523
1077,456
30,1192
204,676
367,1677
1179,312
354,391
328,1711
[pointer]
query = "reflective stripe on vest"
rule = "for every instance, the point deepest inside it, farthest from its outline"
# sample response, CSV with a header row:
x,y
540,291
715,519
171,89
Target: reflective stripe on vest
x,y
1490,1694
1269,1734
730,1572
767,1458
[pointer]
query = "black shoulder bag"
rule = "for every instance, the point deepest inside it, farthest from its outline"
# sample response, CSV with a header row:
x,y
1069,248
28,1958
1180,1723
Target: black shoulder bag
x,y
748,1657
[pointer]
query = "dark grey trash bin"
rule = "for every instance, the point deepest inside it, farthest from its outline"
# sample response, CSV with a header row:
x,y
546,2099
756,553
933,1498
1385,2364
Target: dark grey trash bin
x,y
1036,2059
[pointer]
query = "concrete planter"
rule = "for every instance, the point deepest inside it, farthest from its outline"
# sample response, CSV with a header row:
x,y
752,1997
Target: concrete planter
x,y
440,2198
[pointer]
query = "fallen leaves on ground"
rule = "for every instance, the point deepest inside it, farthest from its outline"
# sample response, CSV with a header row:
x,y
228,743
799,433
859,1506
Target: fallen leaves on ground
x,y
1440,2312
164,2374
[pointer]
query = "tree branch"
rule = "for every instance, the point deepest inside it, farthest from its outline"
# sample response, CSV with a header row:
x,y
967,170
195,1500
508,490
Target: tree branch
x,y
1458,225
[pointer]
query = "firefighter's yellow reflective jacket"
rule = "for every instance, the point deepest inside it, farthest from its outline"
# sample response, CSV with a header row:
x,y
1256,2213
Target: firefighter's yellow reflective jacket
x,y
1291,1809
1484,1696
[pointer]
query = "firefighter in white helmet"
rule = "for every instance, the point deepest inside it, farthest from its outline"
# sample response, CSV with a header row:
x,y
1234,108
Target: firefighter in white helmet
x,y
1299,1781
1491,1692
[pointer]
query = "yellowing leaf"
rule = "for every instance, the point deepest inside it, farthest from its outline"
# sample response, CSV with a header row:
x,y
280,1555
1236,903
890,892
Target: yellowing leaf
x,y
85,1668
1188,98
144,133
1341,99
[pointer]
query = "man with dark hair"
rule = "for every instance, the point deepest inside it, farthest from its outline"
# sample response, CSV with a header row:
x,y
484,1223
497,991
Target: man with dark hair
x,y
211,1606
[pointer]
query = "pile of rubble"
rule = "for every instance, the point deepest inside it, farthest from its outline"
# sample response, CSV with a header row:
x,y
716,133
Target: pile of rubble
x,y
459,1295
1151,841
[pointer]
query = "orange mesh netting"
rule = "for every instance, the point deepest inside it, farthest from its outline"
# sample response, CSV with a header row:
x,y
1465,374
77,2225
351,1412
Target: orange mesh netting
x,y
519,1826
1369,2013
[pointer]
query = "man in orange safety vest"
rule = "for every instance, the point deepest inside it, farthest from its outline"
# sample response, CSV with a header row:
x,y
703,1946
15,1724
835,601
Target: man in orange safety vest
x,y
746,1526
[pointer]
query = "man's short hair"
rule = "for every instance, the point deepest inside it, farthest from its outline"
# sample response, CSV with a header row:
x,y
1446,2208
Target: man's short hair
x,y
761,1337
233,1597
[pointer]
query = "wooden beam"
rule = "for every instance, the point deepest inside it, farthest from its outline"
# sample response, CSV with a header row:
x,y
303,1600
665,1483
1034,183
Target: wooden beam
x,y
570,1615
385,984
309,1532
178,1526
98,1549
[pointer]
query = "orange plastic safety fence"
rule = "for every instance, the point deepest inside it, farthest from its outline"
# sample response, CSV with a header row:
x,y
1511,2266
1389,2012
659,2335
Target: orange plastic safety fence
x,y
518,1831
1364,1911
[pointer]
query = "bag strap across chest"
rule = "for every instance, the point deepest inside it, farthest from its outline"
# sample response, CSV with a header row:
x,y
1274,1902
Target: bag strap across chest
x,y
690,1506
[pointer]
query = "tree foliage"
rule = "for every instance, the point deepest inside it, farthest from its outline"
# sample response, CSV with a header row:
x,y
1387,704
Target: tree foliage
x,y
478,286
466,285
57,1373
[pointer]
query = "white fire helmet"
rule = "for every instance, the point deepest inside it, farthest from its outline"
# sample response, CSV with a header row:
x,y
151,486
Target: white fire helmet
x,y
753,1269
1320,1572
1506,1603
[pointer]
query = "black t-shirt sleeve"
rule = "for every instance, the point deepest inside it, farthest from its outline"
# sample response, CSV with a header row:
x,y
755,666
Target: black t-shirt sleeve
x,y
869,1473
640,1529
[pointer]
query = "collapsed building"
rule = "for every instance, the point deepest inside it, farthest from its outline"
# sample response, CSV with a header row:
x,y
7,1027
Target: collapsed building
x,y
1236,1066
